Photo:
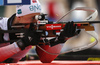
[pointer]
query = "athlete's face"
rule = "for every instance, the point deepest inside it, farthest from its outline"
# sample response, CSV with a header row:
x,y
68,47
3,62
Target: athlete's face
x,y
28,18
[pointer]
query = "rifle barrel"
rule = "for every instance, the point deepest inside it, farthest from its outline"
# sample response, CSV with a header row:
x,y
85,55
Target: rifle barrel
x,y
87,22
90,22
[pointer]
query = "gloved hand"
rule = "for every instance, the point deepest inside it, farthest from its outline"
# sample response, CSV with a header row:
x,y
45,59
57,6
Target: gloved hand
x,y
68,31
31,37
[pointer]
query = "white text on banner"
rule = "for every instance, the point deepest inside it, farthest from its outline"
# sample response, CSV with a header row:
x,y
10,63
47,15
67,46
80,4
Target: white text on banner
x,y
14,1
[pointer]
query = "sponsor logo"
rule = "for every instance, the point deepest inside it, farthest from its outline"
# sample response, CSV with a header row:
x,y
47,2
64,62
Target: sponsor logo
x,y
19,11
42,22
53,26
34,1
35,8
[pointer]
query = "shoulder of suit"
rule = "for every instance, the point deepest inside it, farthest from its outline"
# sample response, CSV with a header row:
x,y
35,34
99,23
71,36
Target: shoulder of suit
x,y
3,23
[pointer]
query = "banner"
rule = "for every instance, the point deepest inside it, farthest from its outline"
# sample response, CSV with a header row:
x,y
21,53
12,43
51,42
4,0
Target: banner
x,y
15,2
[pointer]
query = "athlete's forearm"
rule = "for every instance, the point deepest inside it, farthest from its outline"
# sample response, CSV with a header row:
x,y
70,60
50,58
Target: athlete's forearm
x,y
8,51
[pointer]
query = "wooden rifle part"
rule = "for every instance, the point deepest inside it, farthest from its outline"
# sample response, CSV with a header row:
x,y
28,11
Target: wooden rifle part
x,y
80,25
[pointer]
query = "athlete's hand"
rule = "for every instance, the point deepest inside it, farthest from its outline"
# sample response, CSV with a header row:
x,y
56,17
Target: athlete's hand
x,y
68,31
31,38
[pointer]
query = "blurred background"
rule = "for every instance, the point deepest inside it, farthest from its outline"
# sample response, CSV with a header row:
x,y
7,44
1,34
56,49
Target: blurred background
x,y
56,9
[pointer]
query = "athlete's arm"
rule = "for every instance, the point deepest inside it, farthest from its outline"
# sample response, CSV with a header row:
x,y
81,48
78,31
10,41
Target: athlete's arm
x,y
69,31
8,51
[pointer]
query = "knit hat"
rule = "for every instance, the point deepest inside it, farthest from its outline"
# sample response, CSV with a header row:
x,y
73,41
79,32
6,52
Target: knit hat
x,y
34,7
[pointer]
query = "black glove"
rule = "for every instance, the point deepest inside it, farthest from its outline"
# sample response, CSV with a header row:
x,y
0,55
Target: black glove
x,y
31,38
68,31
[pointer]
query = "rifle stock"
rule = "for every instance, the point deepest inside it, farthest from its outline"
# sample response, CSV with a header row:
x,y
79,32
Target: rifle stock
x,y
58,26
50,27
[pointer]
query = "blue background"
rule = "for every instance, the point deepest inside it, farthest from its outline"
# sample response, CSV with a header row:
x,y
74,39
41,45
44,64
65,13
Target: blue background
x,y
1,2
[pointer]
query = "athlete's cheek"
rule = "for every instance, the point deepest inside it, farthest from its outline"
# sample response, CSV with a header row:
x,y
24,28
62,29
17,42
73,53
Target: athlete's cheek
x,y
27,20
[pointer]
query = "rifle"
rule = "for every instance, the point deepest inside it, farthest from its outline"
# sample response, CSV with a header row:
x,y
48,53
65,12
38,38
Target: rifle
x,y
48,29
